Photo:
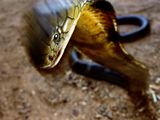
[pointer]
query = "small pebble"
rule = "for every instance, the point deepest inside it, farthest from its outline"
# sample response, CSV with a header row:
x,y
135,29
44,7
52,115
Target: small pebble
x,y
158,97
157,80
84,88
33,92
98,116
83,103
75,112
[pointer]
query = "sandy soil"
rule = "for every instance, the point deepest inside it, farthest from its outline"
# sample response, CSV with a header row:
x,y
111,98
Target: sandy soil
x,y
27,94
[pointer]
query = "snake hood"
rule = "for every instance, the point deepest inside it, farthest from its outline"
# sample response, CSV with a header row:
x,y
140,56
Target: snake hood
x,y
51,24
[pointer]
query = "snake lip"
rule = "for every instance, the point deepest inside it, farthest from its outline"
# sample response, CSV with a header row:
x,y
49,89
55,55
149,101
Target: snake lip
x,y
54,60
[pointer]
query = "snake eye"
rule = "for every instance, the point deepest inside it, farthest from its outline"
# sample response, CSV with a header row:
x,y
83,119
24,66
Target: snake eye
x,y
56,38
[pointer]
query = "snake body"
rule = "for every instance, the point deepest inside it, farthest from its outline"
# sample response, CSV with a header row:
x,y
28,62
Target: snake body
x,y
92,26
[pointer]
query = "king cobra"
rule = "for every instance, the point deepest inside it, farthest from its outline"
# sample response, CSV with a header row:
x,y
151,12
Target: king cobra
x,y
92,26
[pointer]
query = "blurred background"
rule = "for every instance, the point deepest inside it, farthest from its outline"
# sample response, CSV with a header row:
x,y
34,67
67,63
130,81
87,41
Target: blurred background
x,y
60,94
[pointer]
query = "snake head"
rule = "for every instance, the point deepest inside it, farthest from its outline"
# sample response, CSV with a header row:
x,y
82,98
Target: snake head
x,y
51,24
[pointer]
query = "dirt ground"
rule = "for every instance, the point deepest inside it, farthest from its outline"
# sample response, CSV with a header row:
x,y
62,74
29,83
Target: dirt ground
x,y
27,94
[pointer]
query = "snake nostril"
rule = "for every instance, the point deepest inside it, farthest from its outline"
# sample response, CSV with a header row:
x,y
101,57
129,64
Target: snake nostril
x,y
50,57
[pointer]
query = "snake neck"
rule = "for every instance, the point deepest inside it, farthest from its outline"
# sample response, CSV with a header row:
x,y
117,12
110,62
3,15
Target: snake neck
x,y
95,36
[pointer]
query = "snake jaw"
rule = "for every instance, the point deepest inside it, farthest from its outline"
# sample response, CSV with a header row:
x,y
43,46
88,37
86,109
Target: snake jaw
x,y
56,59
55,56
52,60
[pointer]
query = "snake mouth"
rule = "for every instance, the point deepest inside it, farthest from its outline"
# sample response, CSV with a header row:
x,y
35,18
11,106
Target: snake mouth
x,y
53,60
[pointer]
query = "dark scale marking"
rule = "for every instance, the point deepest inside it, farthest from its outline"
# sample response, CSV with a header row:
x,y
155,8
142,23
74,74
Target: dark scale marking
x,y
77,6
50,57
51,48
68,15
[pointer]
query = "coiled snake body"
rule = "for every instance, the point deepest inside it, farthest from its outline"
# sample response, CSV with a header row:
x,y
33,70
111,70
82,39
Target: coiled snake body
x,y
92,26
